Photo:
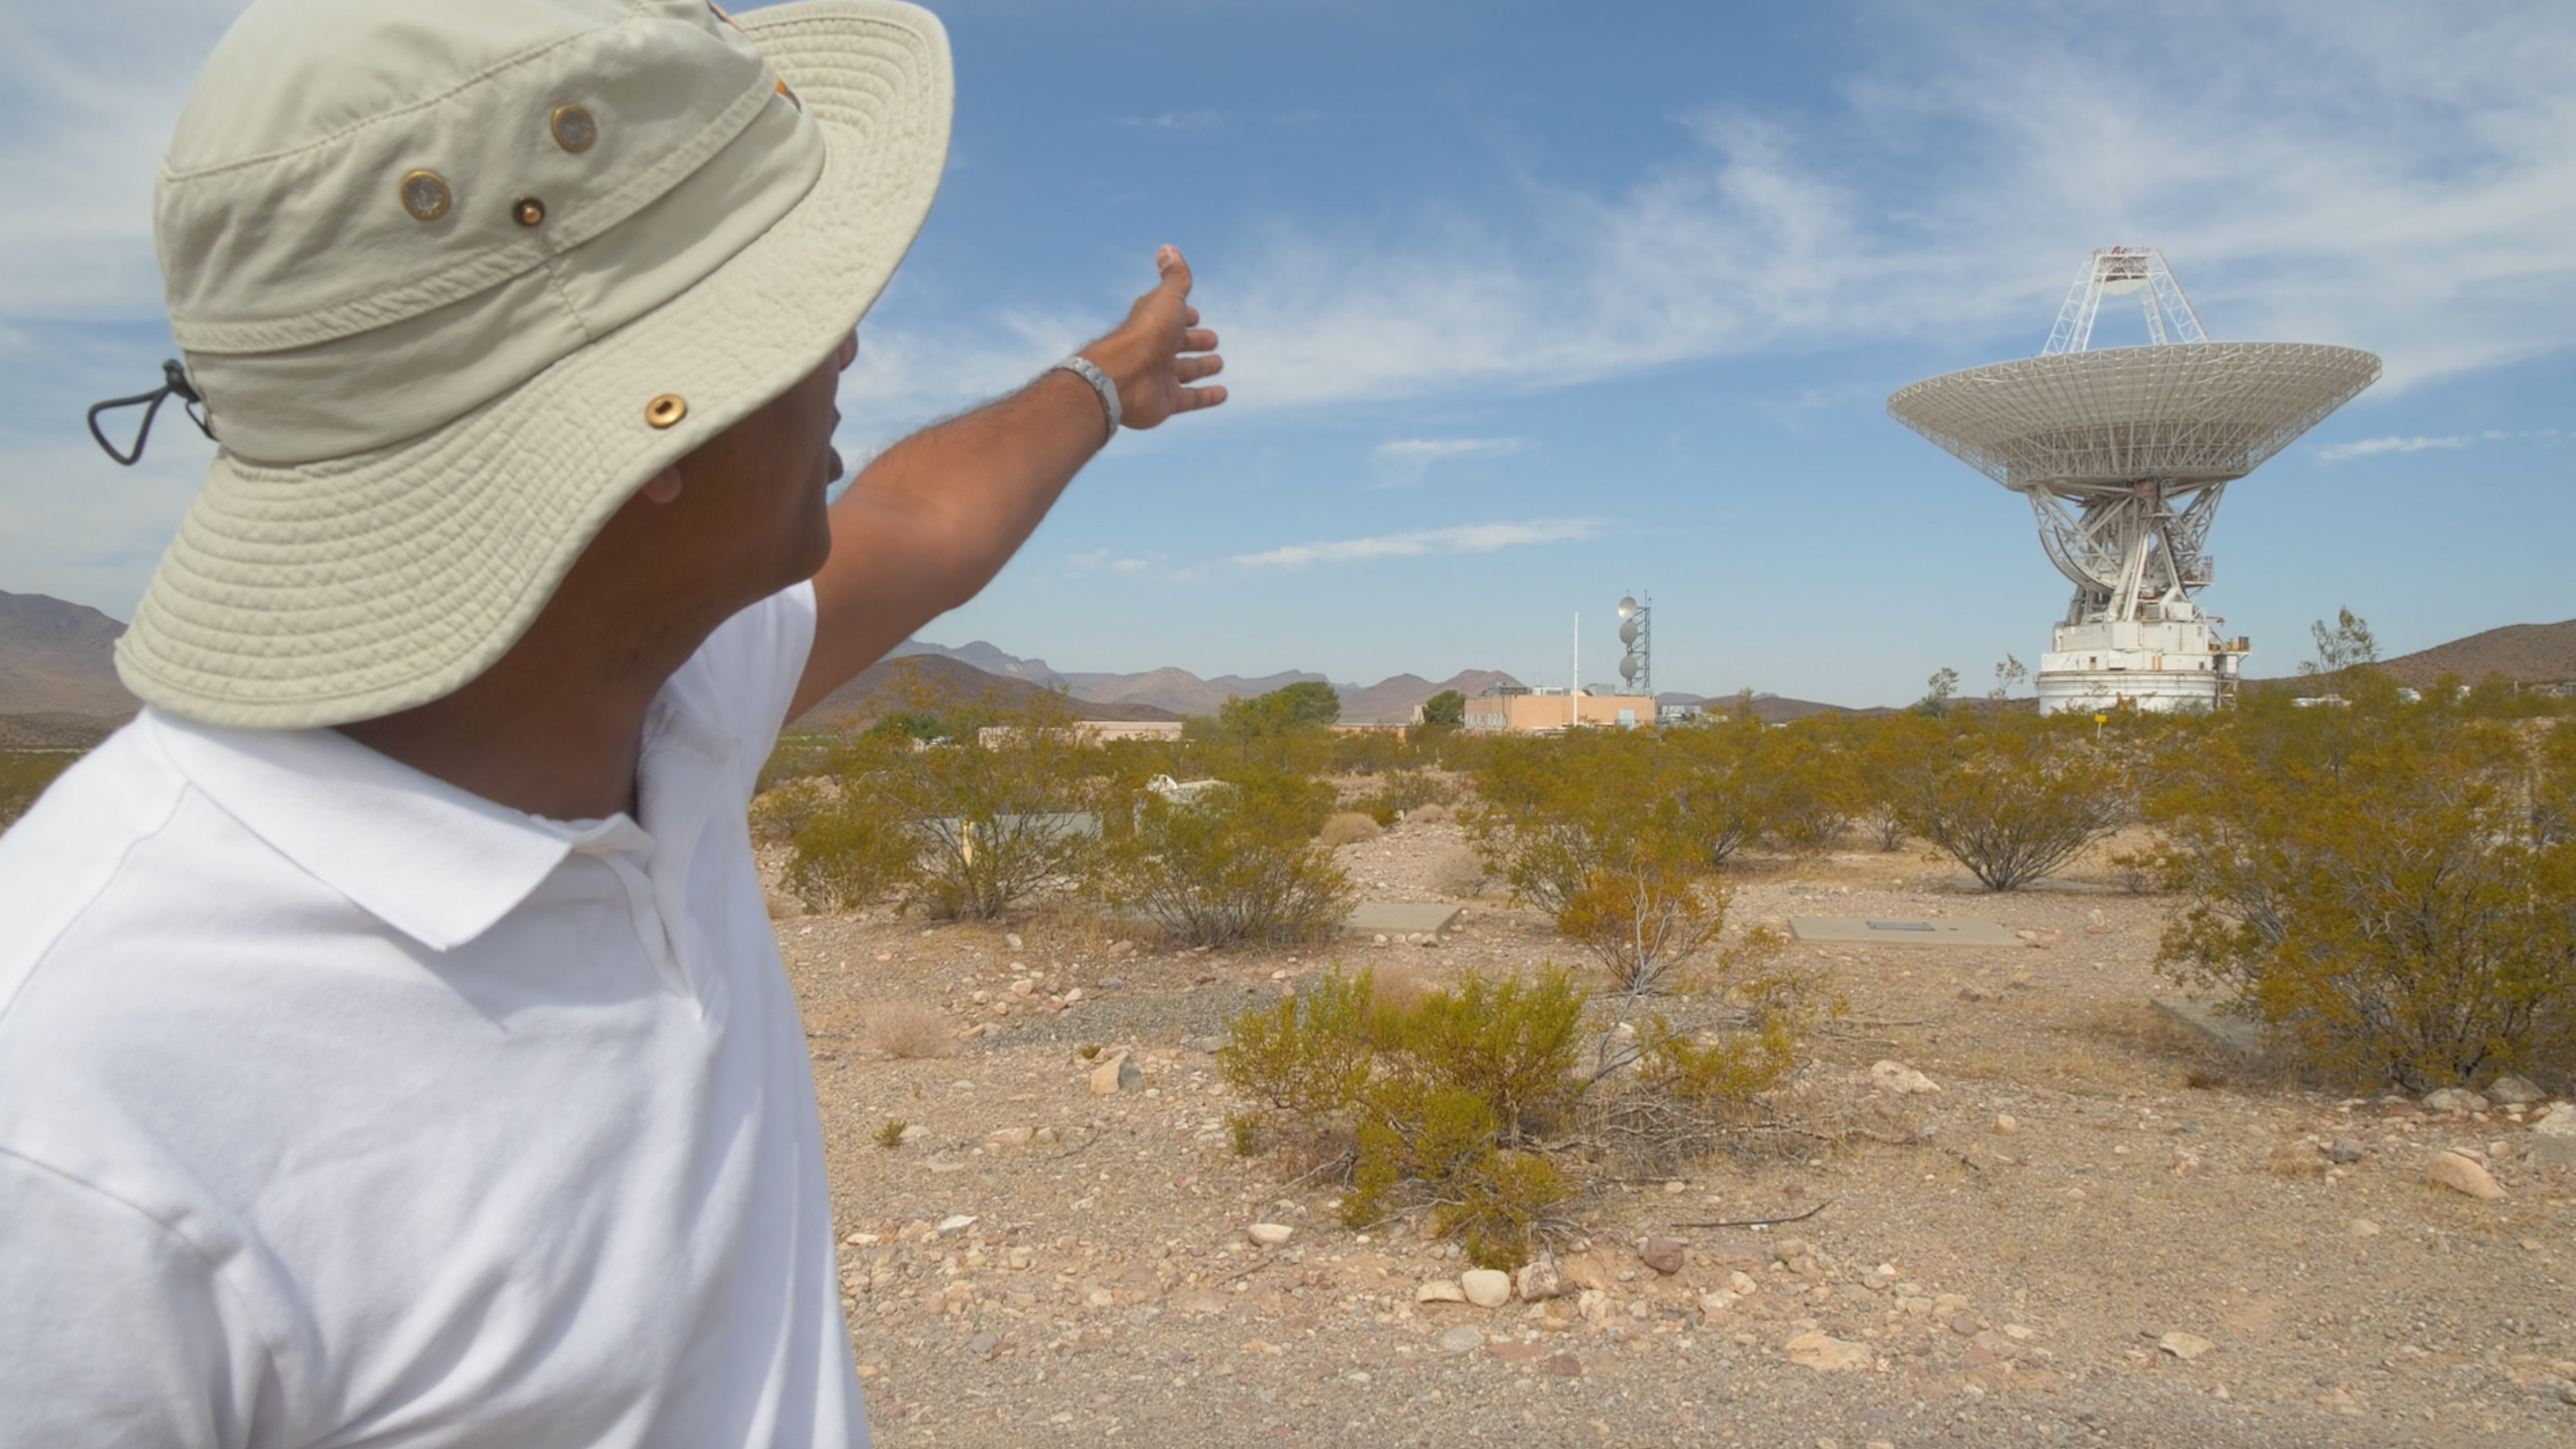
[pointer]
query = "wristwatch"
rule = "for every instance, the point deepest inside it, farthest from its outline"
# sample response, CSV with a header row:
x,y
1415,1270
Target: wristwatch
x,y
1089,371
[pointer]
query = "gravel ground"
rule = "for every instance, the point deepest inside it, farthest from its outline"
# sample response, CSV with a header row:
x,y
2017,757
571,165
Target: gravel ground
x,y
2100,1229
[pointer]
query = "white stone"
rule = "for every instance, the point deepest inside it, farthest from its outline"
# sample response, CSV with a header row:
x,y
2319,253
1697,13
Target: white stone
x,y
2454,1099
1824,1353
1440,1290
1270,1235
2184,1346
949,1225
1462,1339
1486,1287
2512,1090
2461,1173
1901,1079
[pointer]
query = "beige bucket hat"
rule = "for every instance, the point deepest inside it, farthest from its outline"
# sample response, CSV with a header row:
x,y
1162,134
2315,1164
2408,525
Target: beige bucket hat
x,y
455,279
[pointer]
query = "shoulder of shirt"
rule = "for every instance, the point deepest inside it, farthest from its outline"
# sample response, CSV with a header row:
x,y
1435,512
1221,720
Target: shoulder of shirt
x,y
64,853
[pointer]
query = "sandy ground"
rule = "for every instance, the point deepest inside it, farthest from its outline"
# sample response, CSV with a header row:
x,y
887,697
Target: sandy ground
x,y
2103,1229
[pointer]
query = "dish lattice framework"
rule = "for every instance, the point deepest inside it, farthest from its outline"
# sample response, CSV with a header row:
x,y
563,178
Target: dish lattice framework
x,y
2124,453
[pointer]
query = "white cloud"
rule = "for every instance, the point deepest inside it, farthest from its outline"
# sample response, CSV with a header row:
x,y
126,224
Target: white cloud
x,y
2372,447
2385,175
1466,538
1400,462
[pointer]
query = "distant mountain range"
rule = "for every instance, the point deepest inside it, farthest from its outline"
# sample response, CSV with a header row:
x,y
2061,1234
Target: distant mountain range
x,y
58,683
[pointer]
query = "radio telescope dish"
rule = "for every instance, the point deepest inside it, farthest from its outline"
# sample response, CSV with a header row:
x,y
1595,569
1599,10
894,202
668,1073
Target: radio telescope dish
x,y
2123,454
1627,608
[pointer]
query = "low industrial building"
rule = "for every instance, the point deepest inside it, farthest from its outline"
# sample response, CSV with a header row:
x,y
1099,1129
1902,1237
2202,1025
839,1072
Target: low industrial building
x,y
1537,711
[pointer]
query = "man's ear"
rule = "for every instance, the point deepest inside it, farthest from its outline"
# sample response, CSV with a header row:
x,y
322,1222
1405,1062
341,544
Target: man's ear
x,y
662,487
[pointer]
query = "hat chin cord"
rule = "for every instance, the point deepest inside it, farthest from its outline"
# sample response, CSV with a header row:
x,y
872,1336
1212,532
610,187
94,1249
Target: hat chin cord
x,y
174,383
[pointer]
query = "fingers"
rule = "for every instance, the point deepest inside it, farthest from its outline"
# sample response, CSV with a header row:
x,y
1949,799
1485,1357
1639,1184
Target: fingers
x,y
1198,339
1191,369
1191,399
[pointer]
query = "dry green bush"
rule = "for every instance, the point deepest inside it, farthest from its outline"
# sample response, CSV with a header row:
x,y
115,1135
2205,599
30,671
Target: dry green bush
x,y
908,1030
1643,918
1447,1099
1434,813
2013,798
1349,827
1811,786
1402,793
1459,871
1237,864
2383,885
24,774
971,824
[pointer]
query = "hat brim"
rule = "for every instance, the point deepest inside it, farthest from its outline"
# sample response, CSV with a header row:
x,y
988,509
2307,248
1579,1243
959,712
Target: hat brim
x,y
323,593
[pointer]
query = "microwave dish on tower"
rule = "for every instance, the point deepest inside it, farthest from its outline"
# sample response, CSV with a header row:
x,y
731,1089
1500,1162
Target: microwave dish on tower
x,y
2123,454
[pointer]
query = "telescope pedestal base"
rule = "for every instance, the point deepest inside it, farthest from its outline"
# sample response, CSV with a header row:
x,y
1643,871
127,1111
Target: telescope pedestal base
x,y
2151,665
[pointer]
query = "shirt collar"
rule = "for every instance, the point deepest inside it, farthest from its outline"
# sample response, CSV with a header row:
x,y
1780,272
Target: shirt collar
x,y
439,864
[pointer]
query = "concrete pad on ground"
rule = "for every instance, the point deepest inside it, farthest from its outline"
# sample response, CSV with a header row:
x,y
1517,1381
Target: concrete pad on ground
x,y
1851,930
1398,918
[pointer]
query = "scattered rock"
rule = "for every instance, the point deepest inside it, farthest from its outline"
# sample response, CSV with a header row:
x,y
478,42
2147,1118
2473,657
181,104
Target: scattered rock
x,y
1117,1074
1207,1043
1010,1137
2457,1100
1270,1235
2363,1228
1486,1287
2513,1090
1900,1079
1537,1282
1440,1290
1462,1339
1512,1350
912,1133
1824,1353
2553,1137
1716,1301
782,907
1664,1255
1567,1366
952,1224
984,1344
2185,1346
2343,1149
1011,939
2007,1122
2461,1173
1199,1303
2295,1159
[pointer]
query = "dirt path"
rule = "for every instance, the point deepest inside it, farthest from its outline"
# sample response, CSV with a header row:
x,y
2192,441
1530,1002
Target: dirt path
x,y
2098,1230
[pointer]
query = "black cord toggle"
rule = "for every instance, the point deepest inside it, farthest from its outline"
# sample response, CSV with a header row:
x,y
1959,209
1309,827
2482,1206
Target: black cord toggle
x,y
174,381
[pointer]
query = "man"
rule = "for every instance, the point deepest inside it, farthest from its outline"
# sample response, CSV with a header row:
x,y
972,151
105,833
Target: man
x,y
393,1048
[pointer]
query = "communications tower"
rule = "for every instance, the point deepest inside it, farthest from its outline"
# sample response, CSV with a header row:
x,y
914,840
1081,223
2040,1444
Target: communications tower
x,y
2123,454
1637,666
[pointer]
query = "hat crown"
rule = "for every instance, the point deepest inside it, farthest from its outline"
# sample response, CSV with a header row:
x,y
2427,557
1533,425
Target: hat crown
x,y
377,215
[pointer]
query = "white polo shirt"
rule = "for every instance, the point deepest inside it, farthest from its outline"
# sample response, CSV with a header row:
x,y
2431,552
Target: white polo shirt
x,y
339,1105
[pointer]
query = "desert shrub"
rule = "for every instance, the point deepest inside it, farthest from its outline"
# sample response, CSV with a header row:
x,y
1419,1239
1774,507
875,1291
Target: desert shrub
x,y
798,756
2377,886
1348,827
1459,871
1434,813
1641,918
969,826
24,774
909,1030
1437,1089
1809,786
889,1132
1448,708
1447,1097
1552,808
847,847
1287,731
2012,798
1238,864
1402,792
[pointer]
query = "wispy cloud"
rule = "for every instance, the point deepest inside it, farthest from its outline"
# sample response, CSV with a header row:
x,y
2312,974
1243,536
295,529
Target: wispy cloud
x,y
1466,538
1401,462
1101,560
2373,447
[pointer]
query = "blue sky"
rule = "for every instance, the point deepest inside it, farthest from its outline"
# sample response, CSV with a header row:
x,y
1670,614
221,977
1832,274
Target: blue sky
x,y
1526,305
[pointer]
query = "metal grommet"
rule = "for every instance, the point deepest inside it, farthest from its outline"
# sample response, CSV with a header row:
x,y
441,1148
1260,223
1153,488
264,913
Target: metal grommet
x,y
527,211
790,95
665,410
575,128
425,195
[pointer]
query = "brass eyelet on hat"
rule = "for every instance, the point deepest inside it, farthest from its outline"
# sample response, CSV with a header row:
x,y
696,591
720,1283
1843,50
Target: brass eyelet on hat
x,y
665,410
527,211
575,129
791,96
425,195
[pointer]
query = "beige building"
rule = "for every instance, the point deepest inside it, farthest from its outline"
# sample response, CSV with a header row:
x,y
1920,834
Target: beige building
x,y
1541,710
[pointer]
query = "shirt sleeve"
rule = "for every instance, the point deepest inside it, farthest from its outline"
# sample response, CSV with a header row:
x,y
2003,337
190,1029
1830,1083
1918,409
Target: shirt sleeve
x,y
113,1330
753,663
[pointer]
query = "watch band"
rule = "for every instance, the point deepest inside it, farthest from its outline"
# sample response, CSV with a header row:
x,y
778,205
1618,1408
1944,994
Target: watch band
x,y
1089,371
